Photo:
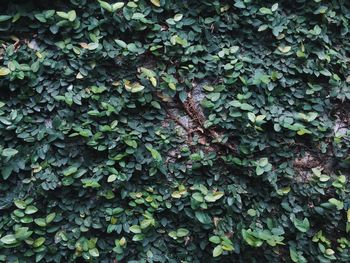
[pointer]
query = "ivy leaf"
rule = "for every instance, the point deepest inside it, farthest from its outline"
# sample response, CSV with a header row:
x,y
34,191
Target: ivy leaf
x,y
94,252
135,229
70,170
203,217
8,239
182,232
61,14
284,49
302,226
4,18
155,2
71,15
265,11
4,71
9,152
217,251
155,154
215,239
117,6
106,6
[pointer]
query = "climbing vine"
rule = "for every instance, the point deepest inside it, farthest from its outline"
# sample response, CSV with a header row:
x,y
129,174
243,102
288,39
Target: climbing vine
x,y
174,131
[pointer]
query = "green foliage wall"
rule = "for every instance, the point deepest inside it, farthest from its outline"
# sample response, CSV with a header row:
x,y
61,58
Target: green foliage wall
x,y
174,131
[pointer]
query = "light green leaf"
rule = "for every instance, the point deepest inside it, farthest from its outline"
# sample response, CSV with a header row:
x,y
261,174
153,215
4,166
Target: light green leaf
x,y
120,43
31,210
178,17
135,229
111,178
50,217
40,222
22,233
182,232
70,170
155,154
302,226
265,11
72,15
94,252
8,152
117,6
106,6
215,239
8,239
38,242
217,251
61,14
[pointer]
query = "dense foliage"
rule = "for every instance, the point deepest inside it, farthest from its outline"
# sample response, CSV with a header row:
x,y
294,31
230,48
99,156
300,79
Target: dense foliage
x,y
174,131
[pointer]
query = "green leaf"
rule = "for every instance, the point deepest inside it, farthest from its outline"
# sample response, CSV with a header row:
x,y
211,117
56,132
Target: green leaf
x,y
40,222
135,229
72,15
50,217
251,239
61,14
155,154
112,178
120,43
337,203
178,17
94,252
182,232
198,197
39,242
274,7
265,11
70,170
92,46
8,239
106,6
117,6
30,210
215,239
9,152
20,204
203,217
22,233
217,251
302,226
4,18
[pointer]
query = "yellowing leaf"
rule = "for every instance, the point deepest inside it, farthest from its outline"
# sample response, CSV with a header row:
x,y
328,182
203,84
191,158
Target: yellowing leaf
x,y
285,49
133,87
153,81
79,76
156,2
176,194
172,86
4,71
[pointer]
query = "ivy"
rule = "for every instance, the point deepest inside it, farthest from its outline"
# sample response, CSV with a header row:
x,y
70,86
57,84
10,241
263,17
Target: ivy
x,y
174,131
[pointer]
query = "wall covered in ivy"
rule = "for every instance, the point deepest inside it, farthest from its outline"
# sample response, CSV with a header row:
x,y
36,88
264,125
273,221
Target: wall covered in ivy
x,y
174,131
